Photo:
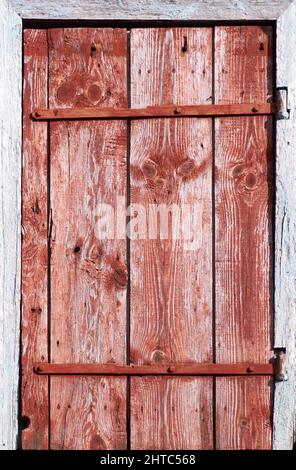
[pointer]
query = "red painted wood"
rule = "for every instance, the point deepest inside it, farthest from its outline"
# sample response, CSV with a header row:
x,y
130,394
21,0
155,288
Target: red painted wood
x,y
87,67
243,413
88,413
171,312
171,413
34,244
243,211
171,299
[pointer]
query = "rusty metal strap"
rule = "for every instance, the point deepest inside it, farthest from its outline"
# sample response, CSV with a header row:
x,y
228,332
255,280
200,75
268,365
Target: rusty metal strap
x,y
206,110
209,369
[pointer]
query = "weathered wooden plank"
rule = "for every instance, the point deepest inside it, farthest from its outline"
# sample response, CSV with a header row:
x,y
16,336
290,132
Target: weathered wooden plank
x,y
89,275
87,67
171,413
153,10
34,246
88,413
155,369
171,165
243,251
284,427
155,111
243,211
10,220
246,420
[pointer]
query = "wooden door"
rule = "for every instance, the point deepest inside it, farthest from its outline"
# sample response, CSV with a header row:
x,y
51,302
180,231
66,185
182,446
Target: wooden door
x,y
148,299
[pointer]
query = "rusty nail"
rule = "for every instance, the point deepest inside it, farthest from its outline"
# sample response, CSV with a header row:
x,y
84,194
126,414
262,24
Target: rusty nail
x,y
250,369
170,370
254,110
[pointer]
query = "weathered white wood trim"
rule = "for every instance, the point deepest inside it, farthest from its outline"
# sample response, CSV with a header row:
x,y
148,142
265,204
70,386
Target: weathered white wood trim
x,y
285,240
11,13
151,9
10,220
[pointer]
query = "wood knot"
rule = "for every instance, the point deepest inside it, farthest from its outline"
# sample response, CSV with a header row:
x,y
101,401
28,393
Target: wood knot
x,y
94,93
251,180
158,356
66,92
237,170
149,169
186,168
121,276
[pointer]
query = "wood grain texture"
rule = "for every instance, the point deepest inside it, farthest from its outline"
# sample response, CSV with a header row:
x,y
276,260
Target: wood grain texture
x,y
178,422
153,10
10,220
88,413
34,246
88,167
171,165
284,419
243,196
87,67
246,420
243,211
243,233
88,274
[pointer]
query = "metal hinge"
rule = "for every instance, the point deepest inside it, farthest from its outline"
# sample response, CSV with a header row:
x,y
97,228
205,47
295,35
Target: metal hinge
x,y
282,103
280,364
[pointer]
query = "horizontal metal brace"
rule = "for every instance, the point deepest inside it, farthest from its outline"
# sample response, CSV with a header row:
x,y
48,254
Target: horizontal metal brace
x,y
205,110
155,369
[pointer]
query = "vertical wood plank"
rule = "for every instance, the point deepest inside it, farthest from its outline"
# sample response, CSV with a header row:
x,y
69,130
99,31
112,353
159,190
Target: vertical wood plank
x,y
171,165
87,67
89,413
243,211
88,274
246,418
171,413
34,245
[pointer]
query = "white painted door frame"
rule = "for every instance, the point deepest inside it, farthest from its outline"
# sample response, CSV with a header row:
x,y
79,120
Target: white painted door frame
x,y
12,13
